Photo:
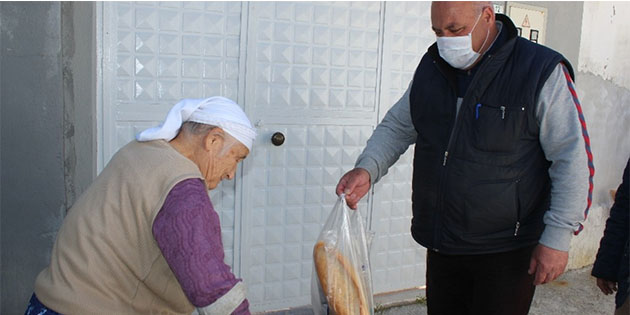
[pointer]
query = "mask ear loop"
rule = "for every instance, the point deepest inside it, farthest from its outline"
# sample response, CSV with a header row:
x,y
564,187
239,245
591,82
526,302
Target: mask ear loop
x,y
484,41
475,25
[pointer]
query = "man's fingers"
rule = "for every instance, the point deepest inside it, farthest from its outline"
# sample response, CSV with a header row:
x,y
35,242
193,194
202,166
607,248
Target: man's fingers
x,y
341,186
352,205
347,183
532,266
354,184
547,263
540,277
542,273
352,201
545,275
351,185
556,273
551,275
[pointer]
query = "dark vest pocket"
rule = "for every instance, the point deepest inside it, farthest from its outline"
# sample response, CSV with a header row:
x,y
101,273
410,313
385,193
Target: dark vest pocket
x,y
491,207
497,128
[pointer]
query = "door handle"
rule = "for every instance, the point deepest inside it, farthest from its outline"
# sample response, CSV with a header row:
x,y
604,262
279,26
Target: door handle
x,y
277,139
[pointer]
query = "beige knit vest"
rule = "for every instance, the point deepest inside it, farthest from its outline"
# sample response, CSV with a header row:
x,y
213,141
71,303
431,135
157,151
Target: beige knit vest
x,y
105,259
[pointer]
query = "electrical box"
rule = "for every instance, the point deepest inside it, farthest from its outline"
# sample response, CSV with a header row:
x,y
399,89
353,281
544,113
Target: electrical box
x,y
498,7
530,21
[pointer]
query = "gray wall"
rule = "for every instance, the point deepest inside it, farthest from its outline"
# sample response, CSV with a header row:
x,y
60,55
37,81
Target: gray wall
x,y
564,27
79,88
46,133
32,166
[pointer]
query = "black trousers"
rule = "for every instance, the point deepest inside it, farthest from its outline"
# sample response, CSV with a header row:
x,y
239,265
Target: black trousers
x,y
479,284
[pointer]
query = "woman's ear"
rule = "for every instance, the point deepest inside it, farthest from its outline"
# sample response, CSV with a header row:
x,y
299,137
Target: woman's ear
x,y
214,139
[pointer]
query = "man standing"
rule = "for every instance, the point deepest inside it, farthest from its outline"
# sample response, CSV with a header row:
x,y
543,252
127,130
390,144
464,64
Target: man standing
x,y
502,166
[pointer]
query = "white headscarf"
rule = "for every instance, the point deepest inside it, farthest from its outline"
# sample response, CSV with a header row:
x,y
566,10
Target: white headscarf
x,y
217,111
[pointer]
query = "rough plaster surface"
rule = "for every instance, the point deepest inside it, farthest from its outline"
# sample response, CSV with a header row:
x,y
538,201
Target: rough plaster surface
x,y
603,84
606,109
32,167
605,41
79,75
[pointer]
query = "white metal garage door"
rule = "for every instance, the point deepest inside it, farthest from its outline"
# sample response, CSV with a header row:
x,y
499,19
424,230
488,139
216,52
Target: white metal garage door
x,y
321,73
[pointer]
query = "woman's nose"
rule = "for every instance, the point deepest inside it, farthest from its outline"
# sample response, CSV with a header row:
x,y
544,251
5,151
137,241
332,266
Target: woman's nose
x,y
231,174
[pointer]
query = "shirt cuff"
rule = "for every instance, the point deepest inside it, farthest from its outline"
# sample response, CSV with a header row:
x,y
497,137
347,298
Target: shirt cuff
x,y
227,303
370,166
556,238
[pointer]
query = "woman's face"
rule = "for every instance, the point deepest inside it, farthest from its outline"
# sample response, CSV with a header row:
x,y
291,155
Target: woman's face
x,y
220,165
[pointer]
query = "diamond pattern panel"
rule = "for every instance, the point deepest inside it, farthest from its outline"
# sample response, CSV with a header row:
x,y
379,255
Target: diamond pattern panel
x,y
337,42
202,38
411,36
293,193
166,51
312,57
398,262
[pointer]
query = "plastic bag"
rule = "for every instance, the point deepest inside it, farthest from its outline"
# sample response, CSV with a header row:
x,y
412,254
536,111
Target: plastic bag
x,y
342,281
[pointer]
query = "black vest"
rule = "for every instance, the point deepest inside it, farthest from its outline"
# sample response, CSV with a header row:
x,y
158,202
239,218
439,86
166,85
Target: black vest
x,y
480,182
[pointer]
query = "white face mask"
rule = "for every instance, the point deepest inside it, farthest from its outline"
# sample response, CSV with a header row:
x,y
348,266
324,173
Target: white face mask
x,y
458,51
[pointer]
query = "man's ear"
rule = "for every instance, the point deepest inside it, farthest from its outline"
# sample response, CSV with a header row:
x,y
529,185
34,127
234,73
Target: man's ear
x,y
214,139
488,14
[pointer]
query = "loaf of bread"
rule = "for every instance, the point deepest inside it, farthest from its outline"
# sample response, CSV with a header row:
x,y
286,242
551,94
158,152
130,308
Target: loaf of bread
x,y
340,281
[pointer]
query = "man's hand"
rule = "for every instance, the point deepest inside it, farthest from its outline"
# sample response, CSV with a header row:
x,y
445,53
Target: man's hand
x,y
355,184
607,286
547,263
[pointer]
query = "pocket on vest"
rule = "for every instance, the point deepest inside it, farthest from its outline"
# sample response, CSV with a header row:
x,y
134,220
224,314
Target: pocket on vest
x,y
491,207
497,128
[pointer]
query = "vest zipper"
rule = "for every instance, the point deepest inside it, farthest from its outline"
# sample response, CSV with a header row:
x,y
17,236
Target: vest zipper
x,y
457,113
442,183
502,108
518,210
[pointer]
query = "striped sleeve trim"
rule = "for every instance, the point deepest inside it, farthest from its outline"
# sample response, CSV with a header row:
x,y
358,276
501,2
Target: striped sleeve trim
x,y
587,144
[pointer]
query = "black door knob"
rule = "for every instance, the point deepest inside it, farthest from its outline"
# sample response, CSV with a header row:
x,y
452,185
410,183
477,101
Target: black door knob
x,y
277,139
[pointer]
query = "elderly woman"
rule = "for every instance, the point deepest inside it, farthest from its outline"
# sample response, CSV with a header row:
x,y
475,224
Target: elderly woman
x,y
144,238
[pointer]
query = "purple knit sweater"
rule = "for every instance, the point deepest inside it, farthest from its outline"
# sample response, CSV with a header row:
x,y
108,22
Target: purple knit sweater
x,y
188,232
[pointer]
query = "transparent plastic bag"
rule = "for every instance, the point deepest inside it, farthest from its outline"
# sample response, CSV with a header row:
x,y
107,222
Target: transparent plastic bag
x,y
342,281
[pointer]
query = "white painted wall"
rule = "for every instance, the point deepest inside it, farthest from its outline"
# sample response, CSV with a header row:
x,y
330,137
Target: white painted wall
x,y
603,83
606,42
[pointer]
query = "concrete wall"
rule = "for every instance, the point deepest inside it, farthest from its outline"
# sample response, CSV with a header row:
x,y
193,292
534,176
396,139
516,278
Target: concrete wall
x,y
32,166
603,84
564,21
606,41
78,31
46,133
